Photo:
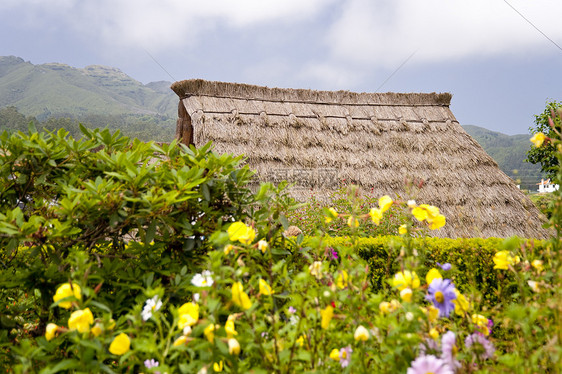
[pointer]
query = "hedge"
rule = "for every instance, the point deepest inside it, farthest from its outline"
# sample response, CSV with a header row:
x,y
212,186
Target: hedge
x,y
471,260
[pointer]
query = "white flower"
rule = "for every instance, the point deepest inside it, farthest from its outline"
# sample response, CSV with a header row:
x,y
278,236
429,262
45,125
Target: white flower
x,y
409,316
534,285
293,320
196,297
151,305
205,279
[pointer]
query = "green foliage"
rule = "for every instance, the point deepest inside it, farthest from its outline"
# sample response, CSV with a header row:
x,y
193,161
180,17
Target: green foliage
x,y
143,127
471,259
545,203
310,215
179,263
510,153
546,155
141,211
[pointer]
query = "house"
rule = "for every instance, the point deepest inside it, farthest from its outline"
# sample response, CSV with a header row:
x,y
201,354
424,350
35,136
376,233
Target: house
x,y
379,141
547,186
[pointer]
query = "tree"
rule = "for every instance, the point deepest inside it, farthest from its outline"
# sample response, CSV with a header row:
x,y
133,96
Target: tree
x,y
545,155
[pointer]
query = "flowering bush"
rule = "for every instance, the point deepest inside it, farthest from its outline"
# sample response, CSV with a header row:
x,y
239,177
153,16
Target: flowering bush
x,y
259,301
315,214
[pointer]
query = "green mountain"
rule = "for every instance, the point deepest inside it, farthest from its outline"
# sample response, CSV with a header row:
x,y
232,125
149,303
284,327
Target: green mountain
x,y
510,152
58,90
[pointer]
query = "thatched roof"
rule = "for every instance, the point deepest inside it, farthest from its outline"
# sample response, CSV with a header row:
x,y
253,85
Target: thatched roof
x,y
375,140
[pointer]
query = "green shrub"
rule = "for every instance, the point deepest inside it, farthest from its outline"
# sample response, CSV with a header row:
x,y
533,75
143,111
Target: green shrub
x,y
174,263
471,259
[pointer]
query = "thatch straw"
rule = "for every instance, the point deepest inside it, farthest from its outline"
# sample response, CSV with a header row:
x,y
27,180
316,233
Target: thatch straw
x,y
374,140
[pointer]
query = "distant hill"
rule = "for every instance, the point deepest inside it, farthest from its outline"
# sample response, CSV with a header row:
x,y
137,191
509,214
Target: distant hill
x,y
57,89
509,151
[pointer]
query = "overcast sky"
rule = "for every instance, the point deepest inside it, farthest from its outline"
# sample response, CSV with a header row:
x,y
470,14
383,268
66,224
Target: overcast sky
x,y
501,59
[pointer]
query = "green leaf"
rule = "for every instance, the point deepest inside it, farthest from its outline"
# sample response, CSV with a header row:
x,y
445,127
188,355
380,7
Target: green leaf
x,y
101,306
284,221
63,365
150,232
205,191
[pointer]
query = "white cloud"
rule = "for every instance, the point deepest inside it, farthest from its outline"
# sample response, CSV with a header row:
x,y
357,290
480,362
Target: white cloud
x,y
164,24
383,33
329,76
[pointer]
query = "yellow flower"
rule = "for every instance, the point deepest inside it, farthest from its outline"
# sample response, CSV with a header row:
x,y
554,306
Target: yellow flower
x,y
538,139
218,366
188,315
385,203
384,307
335,354
420,213
316,269
403,230
432,274
239,297
228,248
300,341
406,294
332,213
96,330
265,289
500,260
389,307
405,279
352,222
233,346
361,334
437,222
180,341
431,312
81,320
229,327
461,303
120,345
111,324
434,333
376,215
66,290
262,245
341,280
503,258
327,314
482,323
209,332
50,331
538,264
238,231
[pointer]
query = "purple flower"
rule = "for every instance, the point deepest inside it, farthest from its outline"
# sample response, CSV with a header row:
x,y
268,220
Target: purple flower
x,y
446,266
345,356
333,253
152,363
441,292
428,346
449,350
480,346
429,364
292,310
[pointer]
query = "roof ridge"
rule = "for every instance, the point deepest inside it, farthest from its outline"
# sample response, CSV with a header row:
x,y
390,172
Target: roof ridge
x,y
200,87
